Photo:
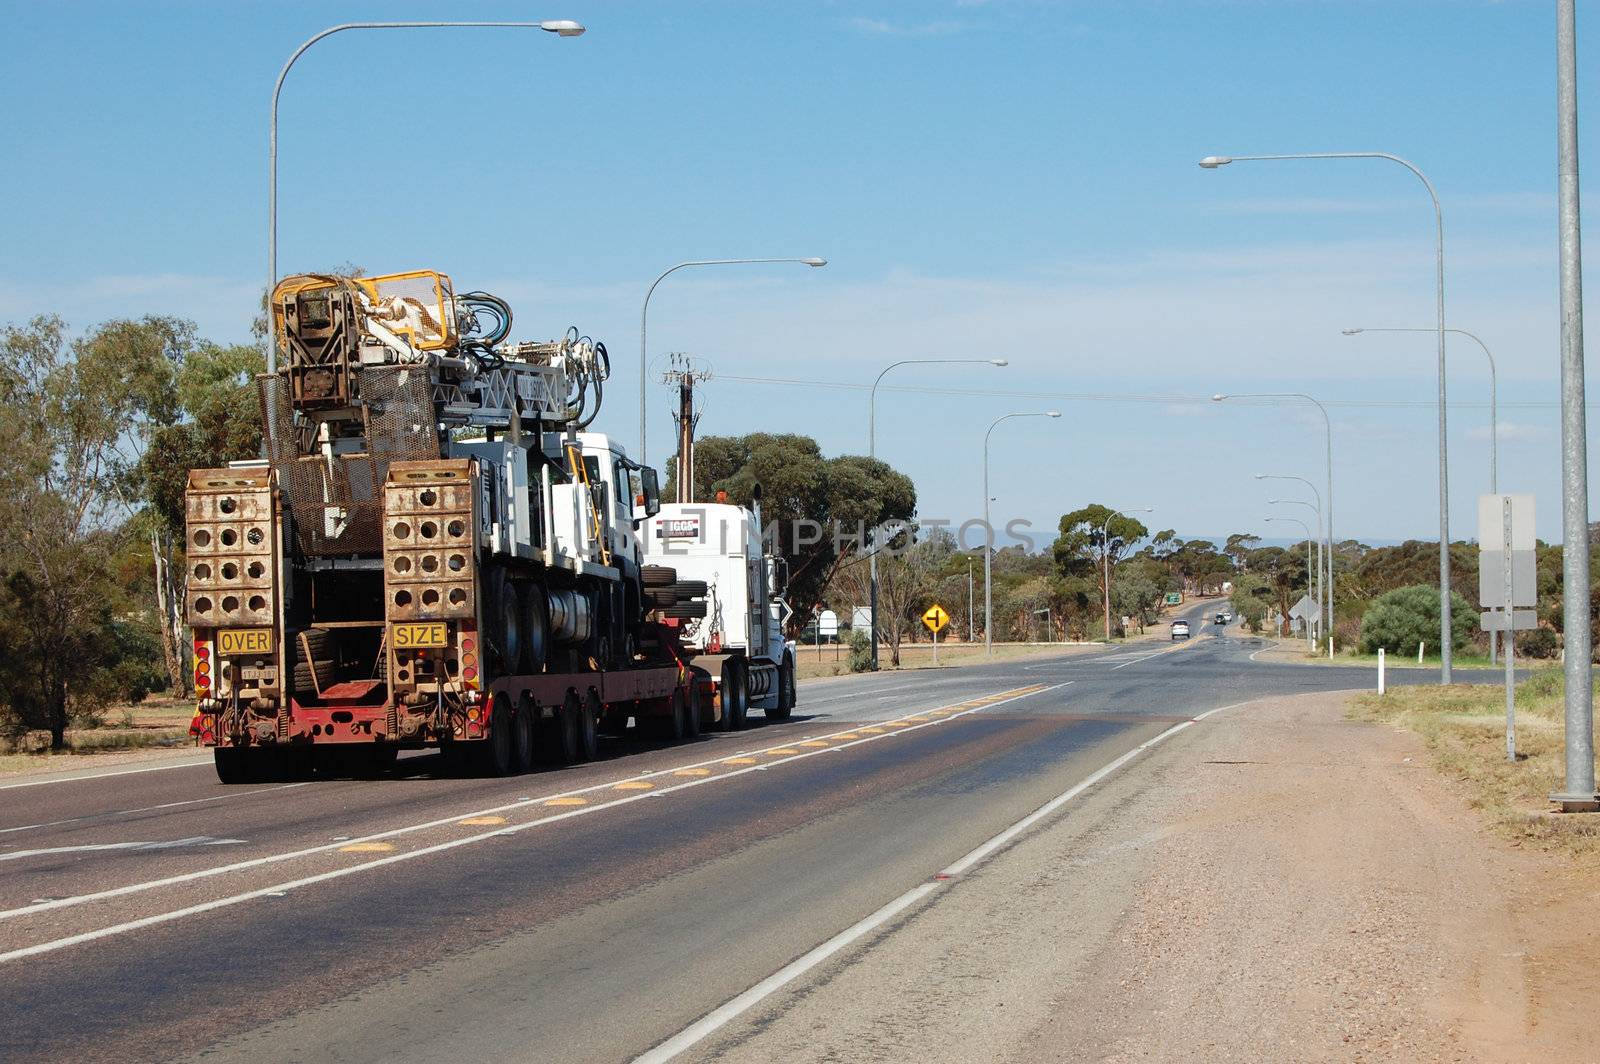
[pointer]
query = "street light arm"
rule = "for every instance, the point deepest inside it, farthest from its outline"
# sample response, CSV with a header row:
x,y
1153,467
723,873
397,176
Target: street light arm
x,y
644,318
564,28
1211,162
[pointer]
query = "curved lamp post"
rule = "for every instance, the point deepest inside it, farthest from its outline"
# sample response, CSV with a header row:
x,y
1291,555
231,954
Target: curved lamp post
x,y
1212,162
1316,509
1327,429
872,452
1105,555
560,27
1307,527
988,530
644,318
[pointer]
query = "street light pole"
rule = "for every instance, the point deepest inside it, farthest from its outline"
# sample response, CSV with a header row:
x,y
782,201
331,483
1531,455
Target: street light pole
x,y
1211,162
988,530
1327,454
1307,527
644,319
1317,509
560,27
1578,792
1105,556
872,452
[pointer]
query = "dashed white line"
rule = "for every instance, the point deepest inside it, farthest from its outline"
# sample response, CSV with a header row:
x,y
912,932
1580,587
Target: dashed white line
x,y
279,888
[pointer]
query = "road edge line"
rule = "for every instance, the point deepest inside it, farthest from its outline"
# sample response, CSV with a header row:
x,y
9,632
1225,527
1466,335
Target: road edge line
x,y
731,1009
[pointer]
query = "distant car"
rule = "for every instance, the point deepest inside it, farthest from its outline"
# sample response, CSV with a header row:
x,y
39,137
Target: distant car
x,y
1222,618
1180,629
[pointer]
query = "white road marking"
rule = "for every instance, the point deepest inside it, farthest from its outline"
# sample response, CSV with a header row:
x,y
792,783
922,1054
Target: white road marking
x,y
730,1010
150,808
218,903
96,847
104,775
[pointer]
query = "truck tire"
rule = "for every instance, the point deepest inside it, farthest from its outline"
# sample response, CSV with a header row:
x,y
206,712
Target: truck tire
x,y
785,702
691,711
589,727
735,696
568,728
673,726
522,729
660,597
492,756
234,765
317,640
508,619
686,610
658,575
689,589
535,630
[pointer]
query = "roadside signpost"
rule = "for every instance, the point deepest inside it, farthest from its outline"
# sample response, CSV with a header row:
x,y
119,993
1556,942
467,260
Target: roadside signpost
x,y
1174,598
1506,581
1308,612
935,618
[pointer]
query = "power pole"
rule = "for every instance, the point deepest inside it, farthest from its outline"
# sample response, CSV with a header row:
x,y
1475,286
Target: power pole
x,y
684,373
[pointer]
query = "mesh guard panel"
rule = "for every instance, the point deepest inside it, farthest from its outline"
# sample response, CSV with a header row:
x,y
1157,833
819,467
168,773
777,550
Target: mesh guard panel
x,y
337,505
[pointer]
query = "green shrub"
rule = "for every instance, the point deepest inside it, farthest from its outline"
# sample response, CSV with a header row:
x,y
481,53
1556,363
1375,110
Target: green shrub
x,y
860,651
1539,643
1400,619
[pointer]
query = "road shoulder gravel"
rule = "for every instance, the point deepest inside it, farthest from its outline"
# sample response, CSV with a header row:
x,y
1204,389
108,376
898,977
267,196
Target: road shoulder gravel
x,y
1278,883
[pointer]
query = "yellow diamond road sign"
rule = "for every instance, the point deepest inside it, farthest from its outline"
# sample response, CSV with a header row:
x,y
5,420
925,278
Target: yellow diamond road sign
x,y
935,618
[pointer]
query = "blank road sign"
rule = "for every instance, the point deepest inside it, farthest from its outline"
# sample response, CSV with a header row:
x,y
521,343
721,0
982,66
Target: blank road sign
x,y
1491,522
1521,620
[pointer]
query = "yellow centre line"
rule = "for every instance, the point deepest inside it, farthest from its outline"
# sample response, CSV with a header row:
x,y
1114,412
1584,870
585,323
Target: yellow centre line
x,y
692,772
367,847
740,761
634,785
813,742
568,800
482,821
780,751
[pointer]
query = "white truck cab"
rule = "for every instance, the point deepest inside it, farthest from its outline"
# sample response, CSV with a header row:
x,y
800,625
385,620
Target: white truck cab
x,y
739,641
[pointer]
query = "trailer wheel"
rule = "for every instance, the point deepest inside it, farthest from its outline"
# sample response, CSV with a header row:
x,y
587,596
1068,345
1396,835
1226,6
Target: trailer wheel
x,y
493,756
785,705
673,727
589,727
522,737
658,575
241,765
689,589
685,611
691,711
735,696
568,727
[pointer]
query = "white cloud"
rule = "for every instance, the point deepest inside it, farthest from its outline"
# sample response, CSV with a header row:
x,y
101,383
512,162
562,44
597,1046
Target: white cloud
x,y
883,27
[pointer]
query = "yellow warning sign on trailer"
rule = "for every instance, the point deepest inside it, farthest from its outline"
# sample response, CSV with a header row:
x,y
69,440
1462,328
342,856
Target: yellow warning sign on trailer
x,y
935,618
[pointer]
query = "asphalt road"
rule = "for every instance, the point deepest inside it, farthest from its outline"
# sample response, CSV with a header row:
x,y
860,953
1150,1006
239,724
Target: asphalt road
x,y
587,913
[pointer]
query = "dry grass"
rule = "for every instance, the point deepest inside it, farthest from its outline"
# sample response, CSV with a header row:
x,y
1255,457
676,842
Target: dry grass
x,y
1464,728
809,664
155,722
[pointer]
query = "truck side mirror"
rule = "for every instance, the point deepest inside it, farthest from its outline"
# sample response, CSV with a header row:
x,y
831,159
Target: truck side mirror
x,y
652,491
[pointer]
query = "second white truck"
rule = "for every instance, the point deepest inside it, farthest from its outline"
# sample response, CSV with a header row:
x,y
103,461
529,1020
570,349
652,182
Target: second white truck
x,y
716,550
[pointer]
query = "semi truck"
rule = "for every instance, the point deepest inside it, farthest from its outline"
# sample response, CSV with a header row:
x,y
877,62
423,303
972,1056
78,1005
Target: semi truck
x,y
436,552
717,551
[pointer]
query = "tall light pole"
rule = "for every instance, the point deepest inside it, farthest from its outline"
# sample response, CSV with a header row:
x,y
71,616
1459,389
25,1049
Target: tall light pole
x,y
1327,454
1307,527
1322,558
1578,791
560,27
1316,593
1105,555
644,320
1494,401
1211,162
1494,424
988,530
872,452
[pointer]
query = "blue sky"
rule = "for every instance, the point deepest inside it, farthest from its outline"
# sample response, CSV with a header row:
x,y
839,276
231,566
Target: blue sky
x,y
1012,178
